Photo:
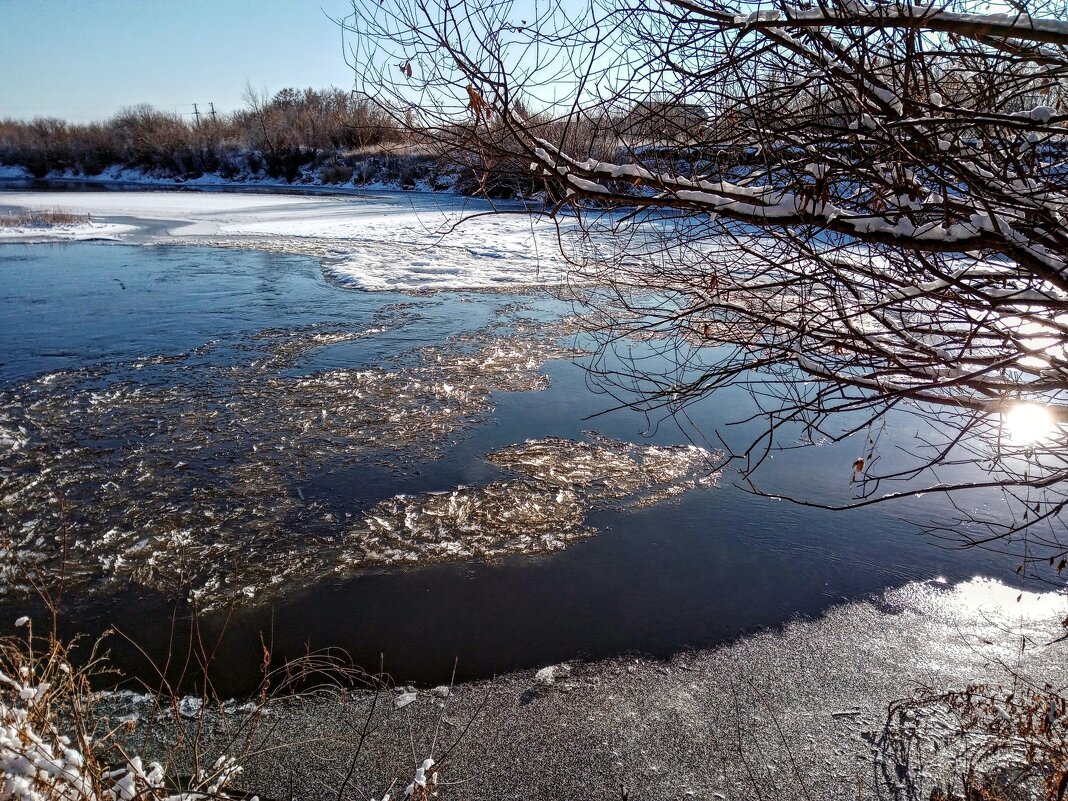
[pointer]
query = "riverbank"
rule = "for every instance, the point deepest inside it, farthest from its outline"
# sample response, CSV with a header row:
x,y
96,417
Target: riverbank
x,y
796,712
126,179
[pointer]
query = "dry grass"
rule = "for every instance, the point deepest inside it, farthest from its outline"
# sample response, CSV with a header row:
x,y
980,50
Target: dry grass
x,y
61,739
1003,743
40,219
54,744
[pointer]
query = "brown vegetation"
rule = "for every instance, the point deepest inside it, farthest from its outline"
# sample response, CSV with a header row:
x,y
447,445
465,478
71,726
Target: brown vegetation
x,y
275,137
39,219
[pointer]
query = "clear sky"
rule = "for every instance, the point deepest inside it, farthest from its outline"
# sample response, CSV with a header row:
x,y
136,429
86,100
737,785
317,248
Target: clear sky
x,y
85,60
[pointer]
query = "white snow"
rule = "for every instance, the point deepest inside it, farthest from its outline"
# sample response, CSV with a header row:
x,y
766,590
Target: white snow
x,y
37,762
190,706
1040,114
421,778
547,676
66,232
382,242
209,207
1023,26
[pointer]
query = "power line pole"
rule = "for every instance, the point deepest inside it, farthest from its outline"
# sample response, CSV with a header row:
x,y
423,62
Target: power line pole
x,y
212,111
196,113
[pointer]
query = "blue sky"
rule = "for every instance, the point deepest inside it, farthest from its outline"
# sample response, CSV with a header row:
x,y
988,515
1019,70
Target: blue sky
x,y
85,60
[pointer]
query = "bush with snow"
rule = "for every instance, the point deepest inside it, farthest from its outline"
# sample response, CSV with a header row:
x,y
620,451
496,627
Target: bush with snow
x,y
54,745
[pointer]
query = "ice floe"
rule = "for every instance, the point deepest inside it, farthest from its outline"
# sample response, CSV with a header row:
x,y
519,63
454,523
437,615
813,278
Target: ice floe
x,y
544,511
183,473
177,470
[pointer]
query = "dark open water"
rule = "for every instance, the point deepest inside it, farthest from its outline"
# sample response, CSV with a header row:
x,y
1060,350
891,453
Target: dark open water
x,y
690,573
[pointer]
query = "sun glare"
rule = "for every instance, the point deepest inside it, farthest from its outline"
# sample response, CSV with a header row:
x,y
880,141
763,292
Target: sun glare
x,y
1028,423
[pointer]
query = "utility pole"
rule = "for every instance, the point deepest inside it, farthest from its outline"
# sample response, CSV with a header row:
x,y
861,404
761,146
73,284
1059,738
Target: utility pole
x,y
196,113
212,111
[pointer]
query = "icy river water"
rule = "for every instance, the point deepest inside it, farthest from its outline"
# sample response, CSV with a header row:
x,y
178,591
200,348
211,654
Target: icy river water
x,y
413,478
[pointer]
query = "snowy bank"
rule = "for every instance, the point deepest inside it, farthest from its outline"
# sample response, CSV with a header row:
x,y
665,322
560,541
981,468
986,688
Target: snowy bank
x,y
76,232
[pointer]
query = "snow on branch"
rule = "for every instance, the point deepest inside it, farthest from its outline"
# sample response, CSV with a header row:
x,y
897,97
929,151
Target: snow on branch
x,y
932,16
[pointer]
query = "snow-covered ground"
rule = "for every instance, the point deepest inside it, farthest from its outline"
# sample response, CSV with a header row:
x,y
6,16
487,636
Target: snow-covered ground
x,y
63,232
382,242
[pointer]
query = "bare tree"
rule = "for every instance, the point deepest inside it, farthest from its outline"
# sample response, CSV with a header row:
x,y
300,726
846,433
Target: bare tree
x,y
854,209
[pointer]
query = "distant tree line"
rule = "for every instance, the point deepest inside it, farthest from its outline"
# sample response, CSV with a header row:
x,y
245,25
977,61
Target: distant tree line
x,y
336,137
331,134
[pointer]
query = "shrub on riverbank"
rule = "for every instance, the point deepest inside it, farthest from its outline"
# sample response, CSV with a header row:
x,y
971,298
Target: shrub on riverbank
x,y
998,743
39,219
307,136
55,744
326,137
292,123
62,739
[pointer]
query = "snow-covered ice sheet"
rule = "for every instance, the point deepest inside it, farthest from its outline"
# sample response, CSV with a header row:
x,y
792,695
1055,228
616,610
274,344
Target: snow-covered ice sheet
x,y
417,250
385,242
209,207
193,213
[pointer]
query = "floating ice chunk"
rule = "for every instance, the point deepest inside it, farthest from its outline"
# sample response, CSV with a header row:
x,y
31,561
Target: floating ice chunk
x,y
190,706
217,449
547,676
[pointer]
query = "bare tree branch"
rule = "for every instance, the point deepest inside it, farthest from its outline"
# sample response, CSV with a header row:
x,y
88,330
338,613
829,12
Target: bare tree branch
x,y
856,211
